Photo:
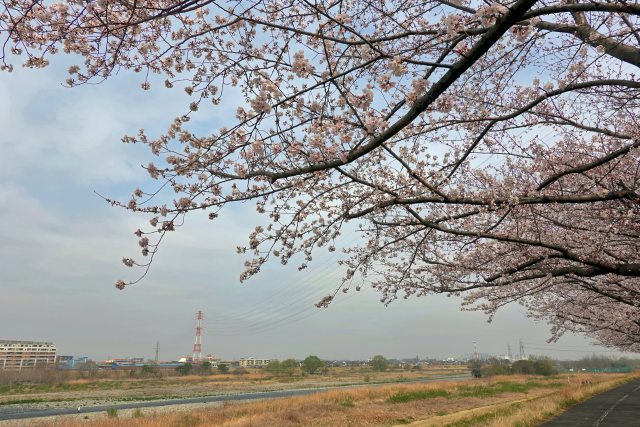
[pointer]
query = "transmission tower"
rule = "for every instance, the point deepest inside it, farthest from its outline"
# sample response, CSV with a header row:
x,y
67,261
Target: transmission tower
x,y
475,351
157,350
197,346
509,352
522,355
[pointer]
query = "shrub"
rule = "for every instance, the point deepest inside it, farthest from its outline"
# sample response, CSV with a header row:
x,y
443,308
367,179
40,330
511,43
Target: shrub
x,y
286,367
476,368
273,367
496,366
312,364
379,363
204,368
533,367
184,369
149,370
240,371
544,367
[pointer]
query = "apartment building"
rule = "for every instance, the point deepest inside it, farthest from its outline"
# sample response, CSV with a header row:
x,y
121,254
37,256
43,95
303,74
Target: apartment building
x,y
17,355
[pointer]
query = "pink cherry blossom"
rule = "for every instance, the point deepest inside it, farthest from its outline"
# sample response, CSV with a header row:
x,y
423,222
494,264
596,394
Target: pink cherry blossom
x,y
487,150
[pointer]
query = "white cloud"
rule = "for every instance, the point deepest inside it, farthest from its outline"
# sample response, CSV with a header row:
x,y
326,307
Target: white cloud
x,y
76,132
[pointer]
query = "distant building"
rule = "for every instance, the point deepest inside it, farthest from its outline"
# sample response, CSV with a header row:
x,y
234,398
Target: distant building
x,y
62,361
18,355
208,358
125,361
250,362
211,359
71,362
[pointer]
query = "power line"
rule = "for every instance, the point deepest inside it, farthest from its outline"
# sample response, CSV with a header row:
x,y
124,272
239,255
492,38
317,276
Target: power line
x,y
275,318
261,316
575,350
318,270
559,345
233,321
288,319
256,313
275,296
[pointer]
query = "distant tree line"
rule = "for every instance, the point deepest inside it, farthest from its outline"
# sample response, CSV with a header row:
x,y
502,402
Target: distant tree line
x,y
600,362
206,368
532,366
310,365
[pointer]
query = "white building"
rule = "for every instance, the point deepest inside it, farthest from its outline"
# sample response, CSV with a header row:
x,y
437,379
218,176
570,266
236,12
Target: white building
x,y
250,362
27,355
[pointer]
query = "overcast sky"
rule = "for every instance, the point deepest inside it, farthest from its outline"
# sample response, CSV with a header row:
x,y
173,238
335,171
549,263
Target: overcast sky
x,y
61,245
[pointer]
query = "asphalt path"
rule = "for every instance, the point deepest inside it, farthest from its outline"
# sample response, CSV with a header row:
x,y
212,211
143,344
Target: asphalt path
x,y
25,412
619,407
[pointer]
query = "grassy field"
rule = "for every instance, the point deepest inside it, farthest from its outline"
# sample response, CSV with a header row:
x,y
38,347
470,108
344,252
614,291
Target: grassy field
x,y
499,401
121,387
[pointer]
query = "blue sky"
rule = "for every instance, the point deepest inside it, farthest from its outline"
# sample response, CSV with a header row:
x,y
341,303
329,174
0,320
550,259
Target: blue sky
x,y
61,247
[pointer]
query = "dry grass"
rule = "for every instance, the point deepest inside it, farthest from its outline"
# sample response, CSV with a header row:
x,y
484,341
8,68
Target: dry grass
x,y
445,403
531,411
124,387
536,411
76,391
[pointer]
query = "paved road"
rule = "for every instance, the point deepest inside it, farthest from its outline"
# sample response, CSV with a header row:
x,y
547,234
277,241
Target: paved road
x,y
27,412
619,407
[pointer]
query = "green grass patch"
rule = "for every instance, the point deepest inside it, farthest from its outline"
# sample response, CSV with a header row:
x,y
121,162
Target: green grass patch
x,y
480,419
399,421
408,396
481,391
567,403
29,401
151,398
501,387
22,401
118,399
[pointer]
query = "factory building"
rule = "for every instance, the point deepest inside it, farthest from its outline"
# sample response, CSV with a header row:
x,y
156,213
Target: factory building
x,y
17,355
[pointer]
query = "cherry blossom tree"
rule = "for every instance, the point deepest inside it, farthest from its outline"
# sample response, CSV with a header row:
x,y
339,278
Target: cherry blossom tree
x,y
486,149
